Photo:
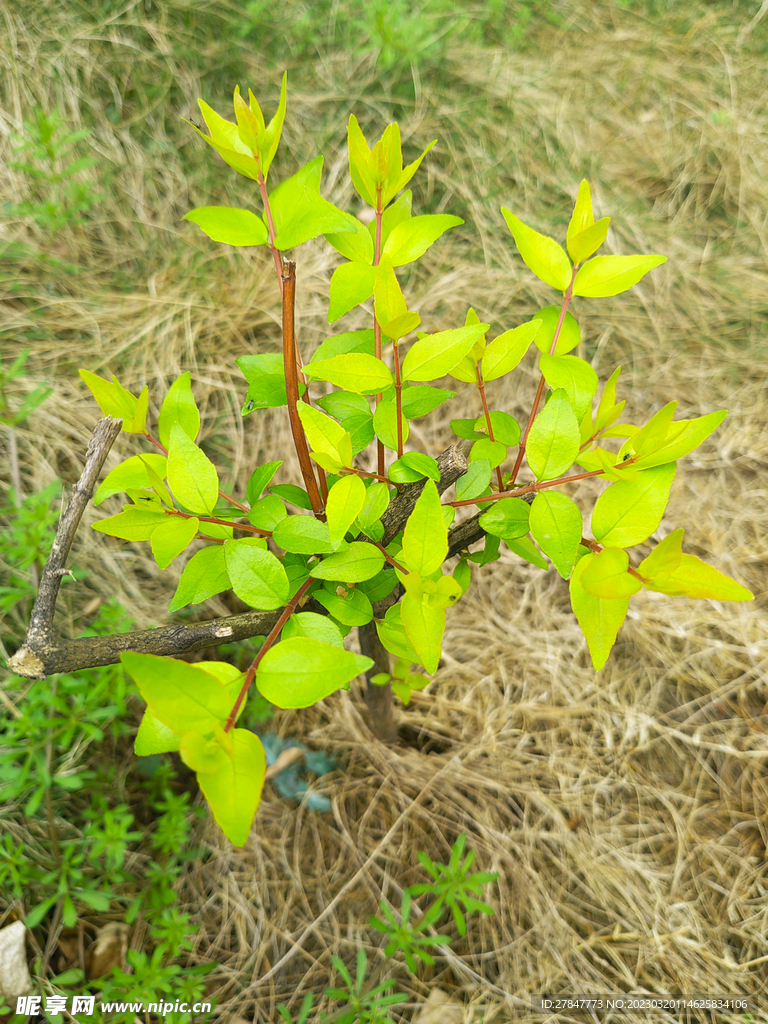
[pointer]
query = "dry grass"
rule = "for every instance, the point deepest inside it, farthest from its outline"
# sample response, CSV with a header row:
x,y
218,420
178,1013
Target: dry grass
x,y
625,811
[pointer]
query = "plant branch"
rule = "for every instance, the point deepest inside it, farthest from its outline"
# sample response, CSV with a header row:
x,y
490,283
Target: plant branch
x,y
376,328
531,488
45,652
292,389
41,621
481,389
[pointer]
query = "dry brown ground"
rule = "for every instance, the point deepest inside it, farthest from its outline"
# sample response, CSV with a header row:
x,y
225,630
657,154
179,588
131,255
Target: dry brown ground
x,y
624,810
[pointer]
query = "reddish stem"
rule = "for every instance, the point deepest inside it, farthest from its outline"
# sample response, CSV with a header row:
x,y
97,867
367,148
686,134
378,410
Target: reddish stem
x,y
288,611
220,522
376,327
398,401
292,390
276,255
540,390
529,489
481,389
391,560
371,476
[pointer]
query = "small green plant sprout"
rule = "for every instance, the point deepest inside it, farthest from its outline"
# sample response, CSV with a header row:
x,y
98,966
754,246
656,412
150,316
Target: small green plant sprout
x,y
306,1006
453,884
364,1007
13,417
408,938
57,198
366,540
402,680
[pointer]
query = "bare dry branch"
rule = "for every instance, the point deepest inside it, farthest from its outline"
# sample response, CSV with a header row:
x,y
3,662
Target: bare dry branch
x,y
44,652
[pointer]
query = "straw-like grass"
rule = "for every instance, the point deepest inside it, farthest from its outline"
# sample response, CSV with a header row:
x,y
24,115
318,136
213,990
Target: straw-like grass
x,y
625,811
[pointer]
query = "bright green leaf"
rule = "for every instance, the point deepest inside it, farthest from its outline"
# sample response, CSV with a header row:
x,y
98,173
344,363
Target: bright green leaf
x,y
298,672
385,425
553,442
360,561
153,737
505,352
524,548
257,576
475,481
259,479
233,791
411,238
169,539
424,628
425,539
507,518
345,502
628,512
609,275
131,473
574,375
556,527
341,344
351,284
204,575
435,355
179,407
191,475
303,535
356,372
350,607
318,627
568,338
133,523
494,451
183,697
229,225
600,618
541,254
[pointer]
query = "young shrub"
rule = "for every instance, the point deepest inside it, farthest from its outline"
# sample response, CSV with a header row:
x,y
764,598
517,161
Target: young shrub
x,y
369,543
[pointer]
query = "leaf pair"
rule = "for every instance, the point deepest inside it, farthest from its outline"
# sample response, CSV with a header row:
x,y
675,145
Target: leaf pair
x,y
249,146
599,277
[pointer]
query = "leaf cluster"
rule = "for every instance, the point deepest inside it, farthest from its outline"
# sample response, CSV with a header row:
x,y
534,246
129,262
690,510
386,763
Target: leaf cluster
x,y
335,549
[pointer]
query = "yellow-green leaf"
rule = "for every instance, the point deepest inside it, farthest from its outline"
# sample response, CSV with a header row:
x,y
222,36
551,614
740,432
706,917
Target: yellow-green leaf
x,y
354,371
183,697
425,539
553,442
600,618
628,512
606,575
541,254
345,501
435,355
694,578
610,275
233,790
191,474
132,473
300,671
172,537
505,352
